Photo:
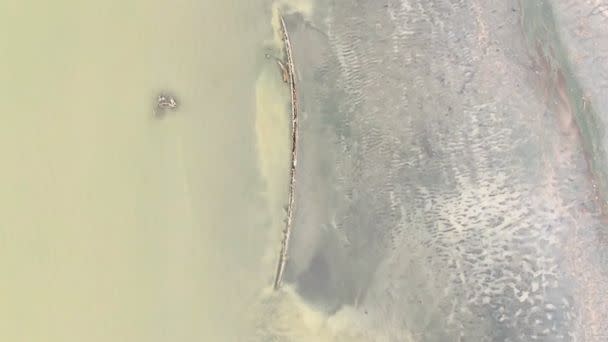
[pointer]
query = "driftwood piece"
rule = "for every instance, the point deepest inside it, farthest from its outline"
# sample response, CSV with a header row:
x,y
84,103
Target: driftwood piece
x,y
289,73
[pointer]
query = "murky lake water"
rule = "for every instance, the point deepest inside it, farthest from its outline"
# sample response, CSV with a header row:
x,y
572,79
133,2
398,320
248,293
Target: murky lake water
x,y
116,226
450,173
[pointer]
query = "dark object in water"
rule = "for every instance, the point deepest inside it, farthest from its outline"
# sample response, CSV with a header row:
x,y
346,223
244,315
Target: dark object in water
x,y
164,102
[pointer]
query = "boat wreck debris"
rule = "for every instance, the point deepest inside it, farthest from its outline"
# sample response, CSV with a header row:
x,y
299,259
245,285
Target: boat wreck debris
x,y
288,73
164,102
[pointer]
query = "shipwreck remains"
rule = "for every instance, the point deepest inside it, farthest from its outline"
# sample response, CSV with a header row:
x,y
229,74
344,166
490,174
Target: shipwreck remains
x,y
288,71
